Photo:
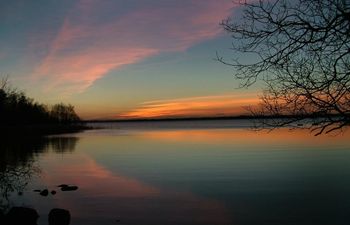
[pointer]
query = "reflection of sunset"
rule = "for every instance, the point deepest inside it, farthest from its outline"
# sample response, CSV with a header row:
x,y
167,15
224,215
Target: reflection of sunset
x,y
222,105
94,175
196,176
242,136
126,196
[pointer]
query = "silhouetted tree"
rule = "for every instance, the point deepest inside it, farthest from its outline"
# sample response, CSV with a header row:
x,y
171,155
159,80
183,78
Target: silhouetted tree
x,y
300,49
64,113
17,109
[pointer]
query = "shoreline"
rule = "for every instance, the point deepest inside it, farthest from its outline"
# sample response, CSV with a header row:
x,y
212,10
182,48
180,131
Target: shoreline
x,y
240,117
41,129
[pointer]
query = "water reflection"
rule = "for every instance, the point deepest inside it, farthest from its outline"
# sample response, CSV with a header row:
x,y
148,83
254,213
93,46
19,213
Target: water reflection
x,y
240,176
106,196
247,137
18,162
189,176
21,150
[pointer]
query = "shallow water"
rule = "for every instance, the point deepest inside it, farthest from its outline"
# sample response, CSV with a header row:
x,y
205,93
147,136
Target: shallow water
x,y
209,172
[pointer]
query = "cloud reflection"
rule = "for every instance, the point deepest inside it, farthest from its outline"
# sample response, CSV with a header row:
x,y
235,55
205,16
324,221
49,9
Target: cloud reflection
x,y
109,196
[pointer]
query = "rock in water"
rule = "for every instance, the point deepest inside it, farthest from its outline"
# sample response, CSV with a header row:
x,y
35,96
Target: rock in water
x,y
59,217
69,188
2,217
44,192
21,215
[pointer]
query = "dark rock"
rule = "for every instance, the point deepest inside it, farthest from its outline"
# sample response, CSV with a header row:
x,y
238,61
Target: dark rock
x,y
62,185
59,217
53,192
21,216
69,188
44,192
20,193
2,217
37,190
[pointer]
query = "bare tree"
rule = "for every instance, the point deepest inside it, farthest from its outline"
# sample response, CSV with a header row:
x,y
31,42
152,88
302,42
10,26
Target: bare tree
x,y
300,50
64,113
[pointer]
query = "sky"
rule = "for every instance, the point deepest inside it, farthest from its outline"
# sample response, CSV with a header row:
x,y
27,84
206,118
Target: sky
x,y
116,59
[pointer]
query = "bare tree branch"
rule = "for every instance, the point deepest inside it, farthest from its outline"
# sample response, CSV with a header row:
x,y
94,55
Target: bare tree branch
x,y
301,50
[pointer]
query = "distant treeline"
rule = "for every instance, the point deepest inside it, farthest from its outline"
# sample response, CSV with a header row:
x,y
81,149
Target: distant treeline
x,y
18,109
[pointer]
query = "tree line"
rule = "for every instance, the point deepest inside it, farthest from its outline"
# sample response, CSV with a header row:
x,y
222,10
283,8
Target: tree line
x,y
18,109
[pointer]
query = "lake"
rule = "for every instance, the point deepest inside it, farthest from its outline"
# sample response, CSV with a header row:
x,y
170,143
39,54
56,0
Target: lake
x,y
182,172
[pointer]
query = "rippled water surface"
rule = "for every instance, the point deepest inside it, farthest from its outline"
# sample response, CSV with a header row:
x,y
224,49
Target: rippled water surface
x,y
202,172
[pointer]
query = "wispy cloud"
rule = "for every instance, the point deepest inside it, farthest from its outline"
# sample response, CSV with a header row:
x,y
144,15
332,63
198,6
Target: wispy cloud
x,y
219,105
92,40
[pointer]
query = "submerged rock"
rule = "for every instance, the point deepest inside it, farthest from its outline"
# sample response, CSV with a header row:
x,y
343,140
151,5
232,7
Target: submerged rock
x,y
59,217
21,215
2,217
53,192
44,192
69,188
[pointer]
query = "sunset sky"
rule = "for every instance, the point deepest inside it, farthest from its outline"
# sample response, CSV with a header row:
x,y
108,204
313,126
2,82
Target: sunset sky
x,y
123,59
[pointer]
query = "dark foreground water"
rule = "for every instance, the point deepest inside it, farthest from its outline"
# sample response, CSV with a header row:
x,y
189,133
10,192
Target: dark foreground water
x,y
213,172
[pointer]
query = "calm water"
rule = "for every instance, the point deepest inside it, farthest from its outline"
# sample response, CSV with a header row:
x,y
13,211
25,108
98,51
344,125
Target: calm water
x,y
214,172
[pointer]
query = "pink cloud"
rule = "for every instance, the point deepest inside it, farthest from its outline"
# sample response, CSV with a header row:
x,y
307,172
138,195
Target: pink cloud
x,y
220,105
87,47
3,55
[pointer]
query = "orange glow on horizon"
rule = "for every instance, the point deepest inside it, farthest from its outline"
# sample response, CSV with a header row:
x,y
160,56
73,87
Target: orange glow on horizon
x,y
207,106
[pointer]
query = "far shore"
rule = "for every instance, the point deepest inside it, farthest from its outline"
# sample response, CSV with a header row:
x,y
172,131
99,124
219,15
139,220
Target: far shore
x,y
239,117
41,129
167,119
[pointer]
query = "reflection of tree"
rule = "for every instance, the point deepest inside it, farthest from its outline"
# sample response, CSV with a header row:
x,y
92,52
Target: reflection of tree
x,y
14,179
62,145
17,161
